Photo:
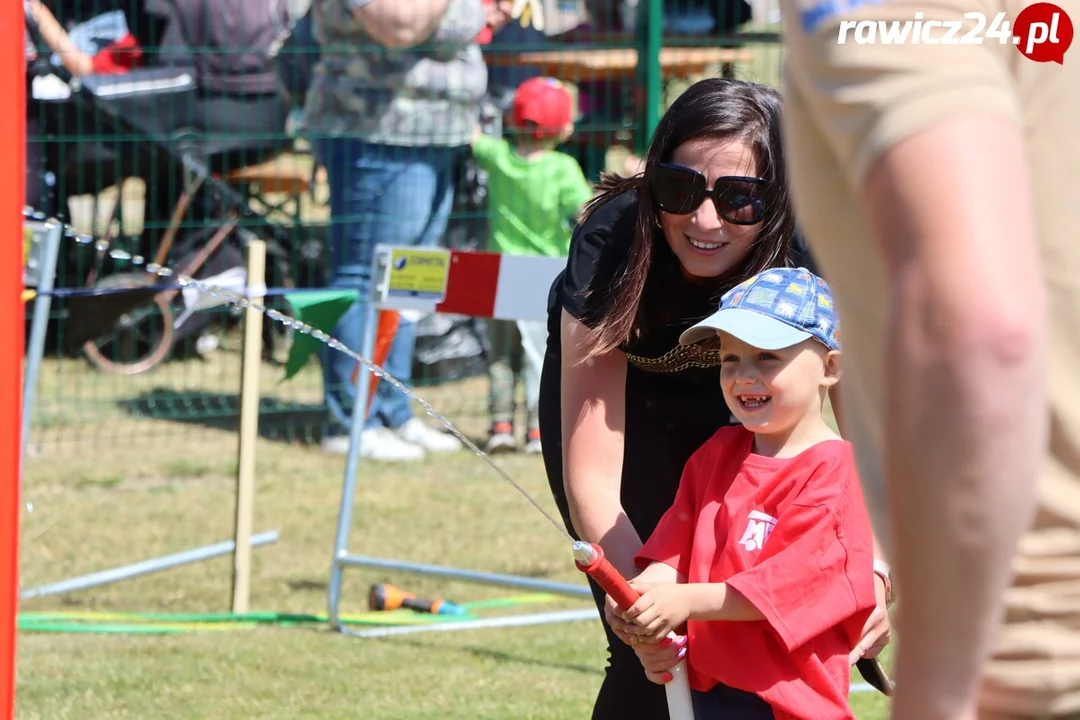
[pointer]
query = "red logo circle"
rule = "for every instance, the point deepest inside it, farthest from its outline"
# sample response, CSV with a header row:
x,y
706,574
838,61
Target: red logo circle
x,y
1043,32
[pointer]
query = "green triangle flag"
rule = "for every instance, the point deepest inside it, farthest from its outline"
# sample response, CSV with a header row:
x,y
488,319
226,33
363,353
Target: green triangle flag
x,y
321,310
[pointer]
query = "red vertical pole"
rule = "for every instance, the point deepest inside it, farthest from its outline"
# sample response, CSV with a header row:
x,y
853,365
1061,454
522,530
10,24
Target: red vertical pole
x,y
385,332
12,195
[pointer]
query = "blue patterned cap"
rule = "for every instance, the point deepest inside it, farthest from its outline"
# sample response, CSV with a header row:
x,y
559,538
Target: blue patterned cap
x,y
774,309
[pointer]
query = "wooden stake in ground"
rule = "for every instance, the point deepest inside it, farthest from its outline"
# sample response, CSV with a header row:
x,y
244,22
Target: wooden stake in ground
x,y
249,426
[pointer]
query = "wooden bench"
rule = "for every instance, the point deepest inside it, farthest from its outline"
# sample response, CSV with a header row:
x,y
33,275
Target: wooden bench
x,y
289,175
286,174
622,63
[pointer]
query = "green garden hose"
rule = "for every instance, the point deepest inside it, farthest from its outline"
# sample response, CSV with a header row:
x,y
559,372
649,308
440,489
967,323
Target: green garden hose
x,y
176,623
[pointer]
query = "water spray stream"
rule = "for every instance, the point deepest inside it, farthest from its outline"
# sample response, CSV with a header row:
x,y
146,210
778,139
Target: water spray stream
x,y
244,303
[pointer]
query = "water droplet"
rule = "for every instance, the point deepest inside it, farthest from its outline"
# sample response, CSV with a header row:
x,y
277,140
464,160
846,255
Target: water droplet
x,y
30,507
242,302
101,245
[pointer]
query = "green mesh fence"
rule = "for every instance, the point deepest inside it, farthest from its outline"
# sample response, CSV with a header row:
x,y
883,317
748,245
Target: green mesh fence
x,y
145,159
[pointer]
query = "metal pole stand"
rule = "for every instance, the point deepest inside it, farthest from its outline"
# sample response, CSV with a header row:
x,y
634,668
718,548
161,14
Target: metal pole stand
x,y
394,289
42,249
145,567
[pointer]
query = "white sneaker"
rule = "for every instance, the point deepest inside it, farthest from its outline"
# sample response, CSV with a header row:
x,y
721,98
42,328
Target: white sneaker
x,y
380,444
417,432
336,445
500,442
532,443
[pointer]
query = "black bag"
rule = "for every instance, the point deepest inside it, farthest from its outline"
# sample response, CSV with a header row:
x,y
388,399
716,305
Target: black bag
x,y
295,61
231,42
448,348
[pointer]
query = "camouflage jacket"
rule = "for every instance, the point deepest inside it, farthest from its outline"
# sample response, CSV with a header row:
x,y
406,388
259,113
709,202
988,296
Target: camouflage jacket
x,y
427,95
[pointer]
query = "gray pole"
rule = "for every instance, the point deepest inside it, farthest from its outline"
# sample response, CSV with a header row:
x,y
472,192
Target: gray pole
x,y
46,277
166,562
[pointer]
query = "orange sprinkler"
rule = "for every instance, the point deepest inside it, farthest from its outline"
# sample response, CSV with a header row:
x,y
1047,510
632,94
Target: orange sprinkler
x,y
387,597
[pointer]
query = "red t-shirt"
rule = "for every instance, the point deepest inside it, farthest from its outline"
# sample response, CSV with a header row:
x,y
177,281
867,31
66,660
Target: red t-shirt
x,y
793,536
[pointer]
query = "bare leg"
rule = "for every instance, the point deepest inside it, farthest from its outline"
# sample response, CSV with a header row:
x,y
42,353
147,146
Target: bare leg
x,y
965,406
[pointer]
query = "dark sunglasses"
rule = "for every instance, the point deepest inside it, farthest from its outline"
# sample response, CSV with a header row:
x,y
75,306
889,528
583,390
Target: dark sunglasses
x,y
680,191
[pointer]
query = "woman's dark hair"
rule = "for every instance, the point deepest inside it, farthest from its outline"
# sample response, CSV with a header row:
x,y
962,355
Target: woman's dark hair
x,y
720,108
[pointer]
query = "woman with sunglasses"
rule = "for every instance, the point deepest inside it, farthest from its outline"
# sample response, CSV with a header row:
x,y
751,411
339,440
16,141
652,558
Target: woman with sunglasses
x,y
622,404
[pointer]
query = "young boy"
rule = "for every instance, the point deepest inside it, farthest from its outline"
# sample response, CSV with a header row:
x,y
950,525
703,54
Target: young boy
x,y
534,196
767,550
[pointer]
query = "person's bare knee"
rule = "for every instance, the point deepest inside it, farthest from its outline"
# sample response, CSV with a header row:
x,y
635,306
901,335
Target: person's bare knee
x,y
958,233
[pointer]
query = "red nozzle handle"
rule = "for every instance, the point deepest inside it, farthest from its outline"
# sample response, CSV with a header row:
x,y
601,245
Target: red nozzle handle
x,y
607,577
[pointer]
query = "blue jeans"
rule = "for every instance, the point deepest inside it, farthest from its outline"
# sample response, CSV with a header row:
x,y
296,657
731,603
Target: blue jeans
x,y
378,195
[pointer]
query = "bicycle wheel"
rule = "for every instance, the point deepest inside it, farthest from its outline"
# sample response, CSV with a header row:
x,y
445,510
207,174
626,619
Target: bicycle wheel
x,y
140,339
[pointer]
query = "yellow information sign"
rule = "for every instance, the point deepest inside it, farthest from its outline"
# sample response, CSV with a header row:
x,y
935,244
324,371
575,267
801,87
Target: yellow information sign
x,y
418,273
28,241
34,244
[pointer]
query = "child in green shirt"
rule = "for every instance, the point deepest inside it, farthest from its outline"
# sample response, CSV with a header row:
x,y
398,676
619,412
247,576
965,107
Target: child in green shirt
x,y
534,196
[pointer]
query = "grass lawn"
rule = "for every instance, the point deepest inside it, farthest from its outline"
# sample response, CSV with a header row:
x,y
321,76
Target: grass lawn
x,y
109,501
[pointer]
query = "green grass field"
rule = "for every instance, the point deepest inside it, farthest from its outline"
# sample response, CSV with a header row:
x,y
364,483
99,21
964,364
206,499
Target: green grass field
x,y
106,501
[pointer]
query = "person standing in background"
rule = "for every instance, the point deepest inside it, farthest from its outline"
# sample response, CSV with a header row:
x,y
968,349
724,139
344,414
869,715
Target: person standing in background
x,y
391,109
535,194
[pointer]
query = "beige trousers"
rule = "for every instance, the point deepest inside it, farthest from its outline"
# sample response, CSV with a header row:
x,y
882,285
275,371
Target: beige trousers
x,y
847,104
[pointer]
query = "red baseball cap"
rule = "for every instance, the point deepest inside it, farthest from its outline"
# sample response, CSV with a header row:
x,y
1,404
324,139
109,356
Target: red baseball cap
x,y
544,101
